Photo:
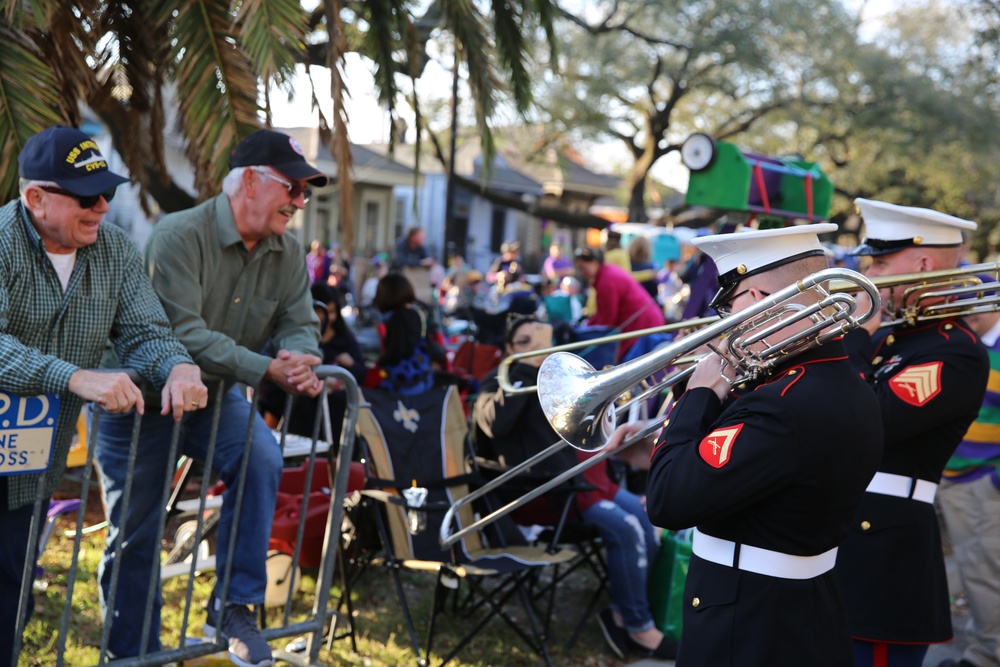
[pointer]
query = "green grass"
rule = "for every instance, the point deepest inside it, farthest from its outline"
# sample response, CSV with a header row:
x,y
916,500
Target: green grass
x,y
382,637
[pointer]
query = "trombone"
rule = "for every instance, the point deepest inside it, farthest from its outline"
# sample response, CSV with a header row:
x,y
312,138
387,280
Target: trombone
x,y
962,287
937,294
579,401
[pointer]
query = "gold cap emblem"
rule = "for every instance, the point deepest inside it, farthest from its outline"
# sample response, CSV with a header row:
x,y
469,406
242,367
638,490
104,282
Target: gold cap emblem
x,y
917,240
741,269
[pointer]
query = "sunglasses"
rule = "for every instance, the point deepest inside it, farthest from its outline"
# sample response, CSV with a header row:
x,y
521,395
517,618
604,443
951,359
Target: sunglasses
x,y
294,189
85,201
726,308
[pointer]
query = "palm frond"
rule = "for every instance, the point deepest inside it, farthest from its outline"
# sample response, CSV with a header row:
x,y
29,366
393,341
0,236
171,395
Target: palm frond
x,y
65,37
27,15
273,34
127,92
29,101
545,11
389,31
512,51
217,86
466,23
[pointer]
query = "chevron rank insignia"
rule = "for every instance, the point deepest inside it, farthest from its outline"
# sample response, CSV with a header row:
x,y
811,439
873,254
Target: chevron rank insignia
x,y
717,446
917,385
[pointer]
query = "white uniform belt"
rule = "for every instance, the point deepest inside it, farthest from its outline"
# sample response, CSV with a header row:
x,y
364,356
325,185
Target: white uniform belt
x,y
902,487
762,561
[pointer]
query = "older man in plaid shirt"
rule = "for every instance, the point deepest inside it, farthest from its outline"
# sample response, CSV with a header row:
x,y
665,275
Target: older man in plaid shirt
x,y
68,285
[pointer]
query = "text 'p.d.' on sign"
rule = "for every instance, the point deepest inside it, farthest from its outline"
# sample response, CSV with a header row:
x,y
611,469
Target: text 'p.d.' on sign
x,y
27,431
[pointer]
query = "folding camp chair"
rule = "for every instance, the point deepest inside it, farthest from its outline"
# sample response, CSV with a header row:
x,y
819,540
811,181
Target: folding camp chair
x,y
556,527
419,442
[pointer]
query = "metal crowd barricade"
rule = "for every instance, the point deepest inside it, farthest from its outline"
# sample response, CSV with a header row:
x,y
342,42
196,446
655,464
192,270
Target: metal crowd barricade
x,y
312,629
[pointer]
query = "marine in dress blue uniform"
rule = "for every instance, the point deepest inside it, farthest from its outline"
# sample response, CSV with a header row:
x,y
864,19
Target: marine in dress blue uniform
x,y
930,379
770,475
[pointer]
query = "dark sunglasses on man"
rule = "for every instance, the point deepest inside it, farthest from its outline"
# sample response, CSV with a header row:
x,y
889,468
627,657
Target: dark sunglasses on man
x,y
85,201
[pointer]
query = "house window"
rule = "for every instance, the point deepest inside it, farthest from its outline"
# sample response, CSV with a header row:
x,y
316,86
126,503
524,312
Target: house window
x,y
322,225
400,222
370,233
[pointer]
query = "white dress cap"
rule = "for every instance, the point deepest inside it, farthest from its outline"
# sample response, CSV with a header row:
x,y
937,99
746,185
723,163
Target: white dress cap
x,y
740,254
890,228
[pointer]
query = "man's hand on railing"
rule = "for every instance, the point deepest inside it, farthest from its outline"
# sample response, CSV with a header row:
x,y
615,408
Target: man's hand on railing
x,y
184,391
114,392
292,371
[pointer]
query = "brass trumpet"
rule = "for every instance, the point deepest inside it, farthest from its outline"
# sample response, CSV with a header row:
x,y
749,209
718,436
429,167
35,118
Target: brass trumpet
x,y
579,402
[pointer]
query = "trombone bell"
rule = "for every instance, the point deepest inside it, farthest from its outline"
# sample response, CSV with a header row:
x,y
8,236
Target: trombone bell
x,y
568,407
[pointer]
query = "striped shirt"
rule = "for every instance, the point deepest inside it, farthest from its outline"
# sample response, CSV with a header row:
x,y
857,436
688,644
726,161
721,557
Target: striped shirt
x,y
46,334
979,452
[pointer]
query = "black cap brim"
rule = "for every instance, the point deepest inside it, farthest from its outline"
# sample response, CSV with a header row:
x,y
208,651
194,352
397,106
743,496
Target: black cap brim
x,y
865,250
303,171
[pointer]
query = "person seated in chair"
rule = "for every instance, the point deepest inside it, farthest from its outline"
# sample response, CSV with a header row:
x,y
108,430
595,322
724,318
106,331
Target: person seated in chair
x,y
339,347
517,429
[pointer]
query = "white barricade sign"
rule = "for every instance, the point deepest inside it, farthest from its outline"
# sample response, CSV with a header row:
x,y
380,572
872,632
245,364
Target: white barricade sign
x,y
27,432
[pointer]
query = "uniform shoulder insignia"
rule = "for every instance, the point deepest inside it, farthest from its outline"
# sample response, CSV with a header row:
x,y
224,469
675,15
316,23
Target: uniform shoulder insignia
x,y
717,447
917,385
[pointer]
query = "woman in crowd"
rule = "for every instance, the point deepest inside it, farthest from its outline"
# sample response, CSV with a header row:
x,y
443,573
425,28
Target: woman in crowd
x,y
408,354
640,251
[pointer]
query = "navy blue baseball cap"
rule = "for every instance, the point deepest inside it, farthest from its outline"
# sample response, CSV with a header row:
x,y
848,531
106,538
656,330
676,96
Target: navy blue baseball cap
x,y
70,159
277,150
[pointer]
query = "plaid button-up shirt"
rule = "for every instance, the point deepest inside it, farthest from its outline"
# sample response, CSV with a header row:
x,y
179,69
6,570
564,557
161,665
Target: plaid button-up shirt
x,y
46,334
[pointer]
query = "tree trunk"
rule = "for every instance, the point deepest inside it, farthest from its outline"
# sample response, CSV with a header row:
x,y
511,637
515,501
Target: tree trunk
x,y
637,200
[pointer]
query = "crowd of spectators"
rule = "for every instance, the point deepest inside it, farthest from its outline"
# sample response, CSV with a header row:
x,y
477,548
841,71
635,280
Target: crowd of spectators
x,y
615,287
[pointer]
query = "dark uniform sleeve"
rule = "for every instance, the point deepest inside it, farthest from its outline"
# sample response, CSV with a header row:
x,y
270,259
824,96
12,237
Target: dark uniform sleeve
x,y
709,463
859,351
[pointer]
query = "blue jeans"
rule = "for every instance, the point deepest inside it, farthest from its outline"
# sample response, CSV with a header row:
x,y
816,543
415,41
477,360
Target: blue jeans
x,y
15,527
631,544
248,577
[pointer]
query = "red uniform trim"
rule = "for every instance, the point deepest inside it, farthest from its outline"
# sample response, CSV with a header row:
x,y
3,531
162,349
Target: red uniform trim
x,y
880,654
801,371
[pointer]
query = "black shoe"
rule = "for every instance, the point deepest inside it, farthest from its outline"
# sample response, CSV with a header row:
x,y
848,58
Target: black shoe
x,y
667,650
615,635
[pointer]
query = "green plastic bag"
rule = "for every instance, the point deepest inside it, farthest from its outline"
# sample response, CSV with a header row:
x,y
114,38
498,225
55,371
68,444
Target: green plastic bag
x,y
666,582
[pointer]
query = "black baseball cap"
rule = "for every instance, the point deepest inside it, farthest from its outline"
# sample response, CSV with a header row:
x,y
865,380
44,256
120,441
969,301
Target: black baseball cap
x,y
70,159
278,150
